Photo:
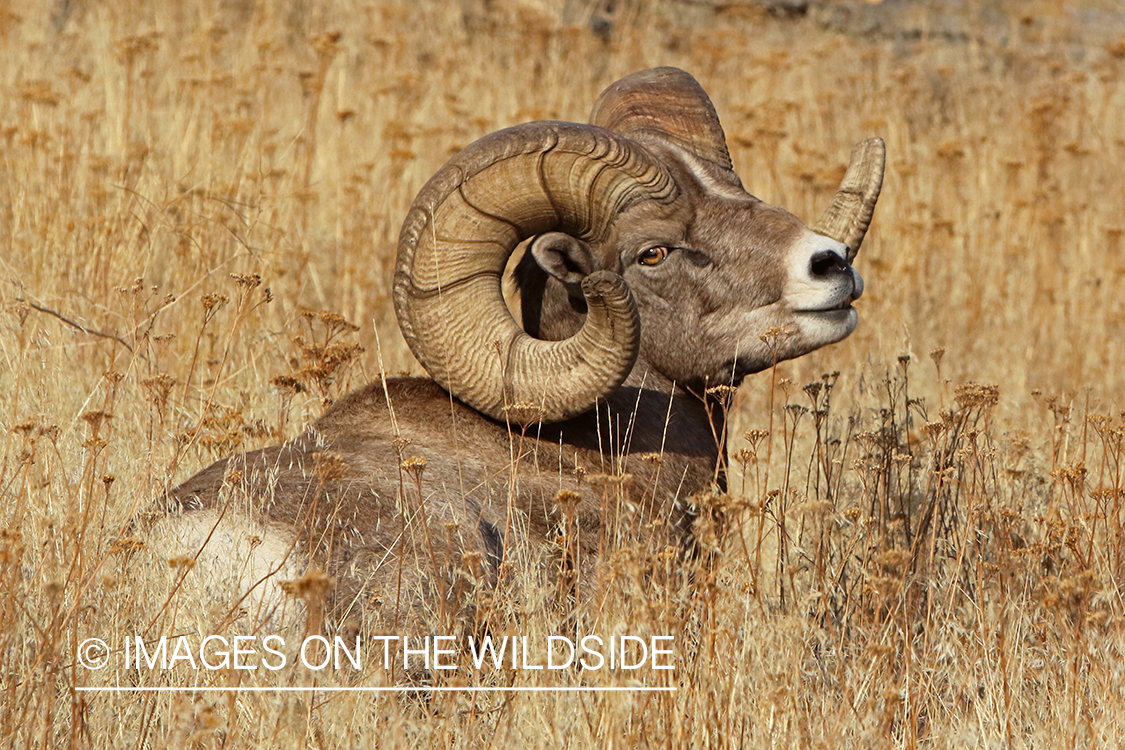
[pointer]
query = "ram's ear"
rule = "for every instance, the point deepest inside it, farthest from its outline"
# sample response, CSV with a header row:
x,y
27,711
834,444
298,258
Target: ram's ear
x,y
566,258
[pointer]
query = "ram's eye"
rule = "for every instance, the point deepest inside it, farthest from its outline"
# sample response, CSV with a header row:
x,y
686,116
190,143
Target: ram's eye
x,y
653,256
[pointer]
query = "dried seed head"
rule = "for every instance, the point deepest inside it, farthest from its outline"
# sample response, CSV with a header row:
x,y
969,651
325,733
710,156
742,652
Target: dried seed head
x,y
524,413
774,337
754,437
126,545
335,323
212,302
21,311
610,480
1070,594
326,44
158,388
329,467
186,562
979,395
247,281
472,562
287,383
95,419
134,290
414,466
567,502
893,560
934,430
311,588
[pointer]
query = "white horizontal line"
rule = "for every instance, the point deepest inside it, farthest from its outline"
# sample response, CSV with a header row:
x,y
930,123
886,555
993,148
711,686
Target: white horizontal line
x,y
395,689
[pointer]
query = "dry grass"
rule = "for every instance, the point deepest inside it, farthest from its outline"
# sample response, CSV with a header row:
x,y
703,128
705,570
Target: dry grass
x,y
921,562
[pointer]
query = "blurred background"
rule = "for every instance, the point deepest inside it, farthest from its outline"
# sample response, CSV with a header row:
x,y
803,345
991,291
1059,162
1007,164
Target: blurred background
x,y
199,209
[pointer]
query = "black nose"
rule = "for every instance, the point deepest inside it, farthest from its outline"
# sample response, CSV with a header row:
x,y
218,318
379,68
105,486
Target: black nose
x,y
827,263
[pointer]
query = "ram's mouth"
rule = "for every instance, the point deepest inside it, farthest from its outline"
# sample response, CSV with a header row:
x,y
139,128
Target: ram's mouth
x,y
843,306
827,301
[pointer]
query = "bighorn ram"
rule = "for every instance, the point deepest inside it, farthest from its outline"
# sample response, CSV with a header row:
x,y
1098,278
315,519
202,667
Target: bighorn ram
x,y
652,277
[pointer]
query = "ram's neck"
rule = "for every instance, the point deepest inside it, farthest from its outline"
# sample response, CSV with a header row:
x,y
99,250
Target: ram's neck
x,y
648,414
675,422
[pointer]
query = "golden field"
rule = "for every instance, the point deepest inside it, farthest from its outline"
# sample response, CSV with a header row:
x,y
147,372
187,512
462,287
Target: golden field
x,y
192,196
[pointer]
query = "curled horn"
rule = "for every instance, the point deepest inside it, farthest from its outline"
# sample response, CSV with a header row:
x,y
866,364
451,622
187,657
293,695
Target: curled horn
x,y
849,216
456,241
667,104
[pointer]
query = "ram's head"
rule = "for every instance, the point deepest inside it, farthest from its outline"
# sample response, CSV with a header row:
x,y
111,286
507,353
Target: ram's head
x,y
643,229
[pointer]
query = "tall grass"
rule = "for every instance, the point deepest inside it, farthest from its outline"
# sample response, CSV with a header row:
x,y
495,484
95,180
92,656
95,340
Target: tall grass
x,y
924,549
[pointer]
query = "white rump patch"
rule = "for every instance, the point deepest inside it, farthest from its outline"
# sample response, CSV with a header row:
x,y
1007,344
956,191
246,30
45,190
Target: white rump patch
x,y
238,565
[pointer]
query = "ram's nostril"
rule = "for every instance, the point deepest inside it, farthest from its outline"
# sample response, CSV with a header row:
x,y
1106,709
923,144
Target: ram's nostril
x,y
827,262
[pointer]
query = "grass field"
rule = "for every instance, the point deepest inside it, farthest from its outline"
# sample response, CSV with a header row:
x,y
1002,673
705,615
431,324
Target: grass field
x,y
930,550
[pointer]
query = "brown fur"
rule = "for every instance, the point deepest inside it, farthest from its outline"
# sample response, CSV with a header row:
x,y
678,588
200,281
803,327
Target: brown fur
x,y
359,520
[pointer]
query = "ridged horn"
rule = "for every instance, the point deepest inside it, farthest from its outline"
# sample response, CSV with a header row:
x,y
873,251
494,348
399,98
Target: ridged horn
x,y
456,241
849,216
667,103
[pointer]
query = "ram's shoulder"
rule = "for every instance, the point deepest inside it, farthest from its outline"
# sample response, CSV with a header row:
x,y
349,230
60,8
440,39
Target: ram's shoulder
x,y
397,404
